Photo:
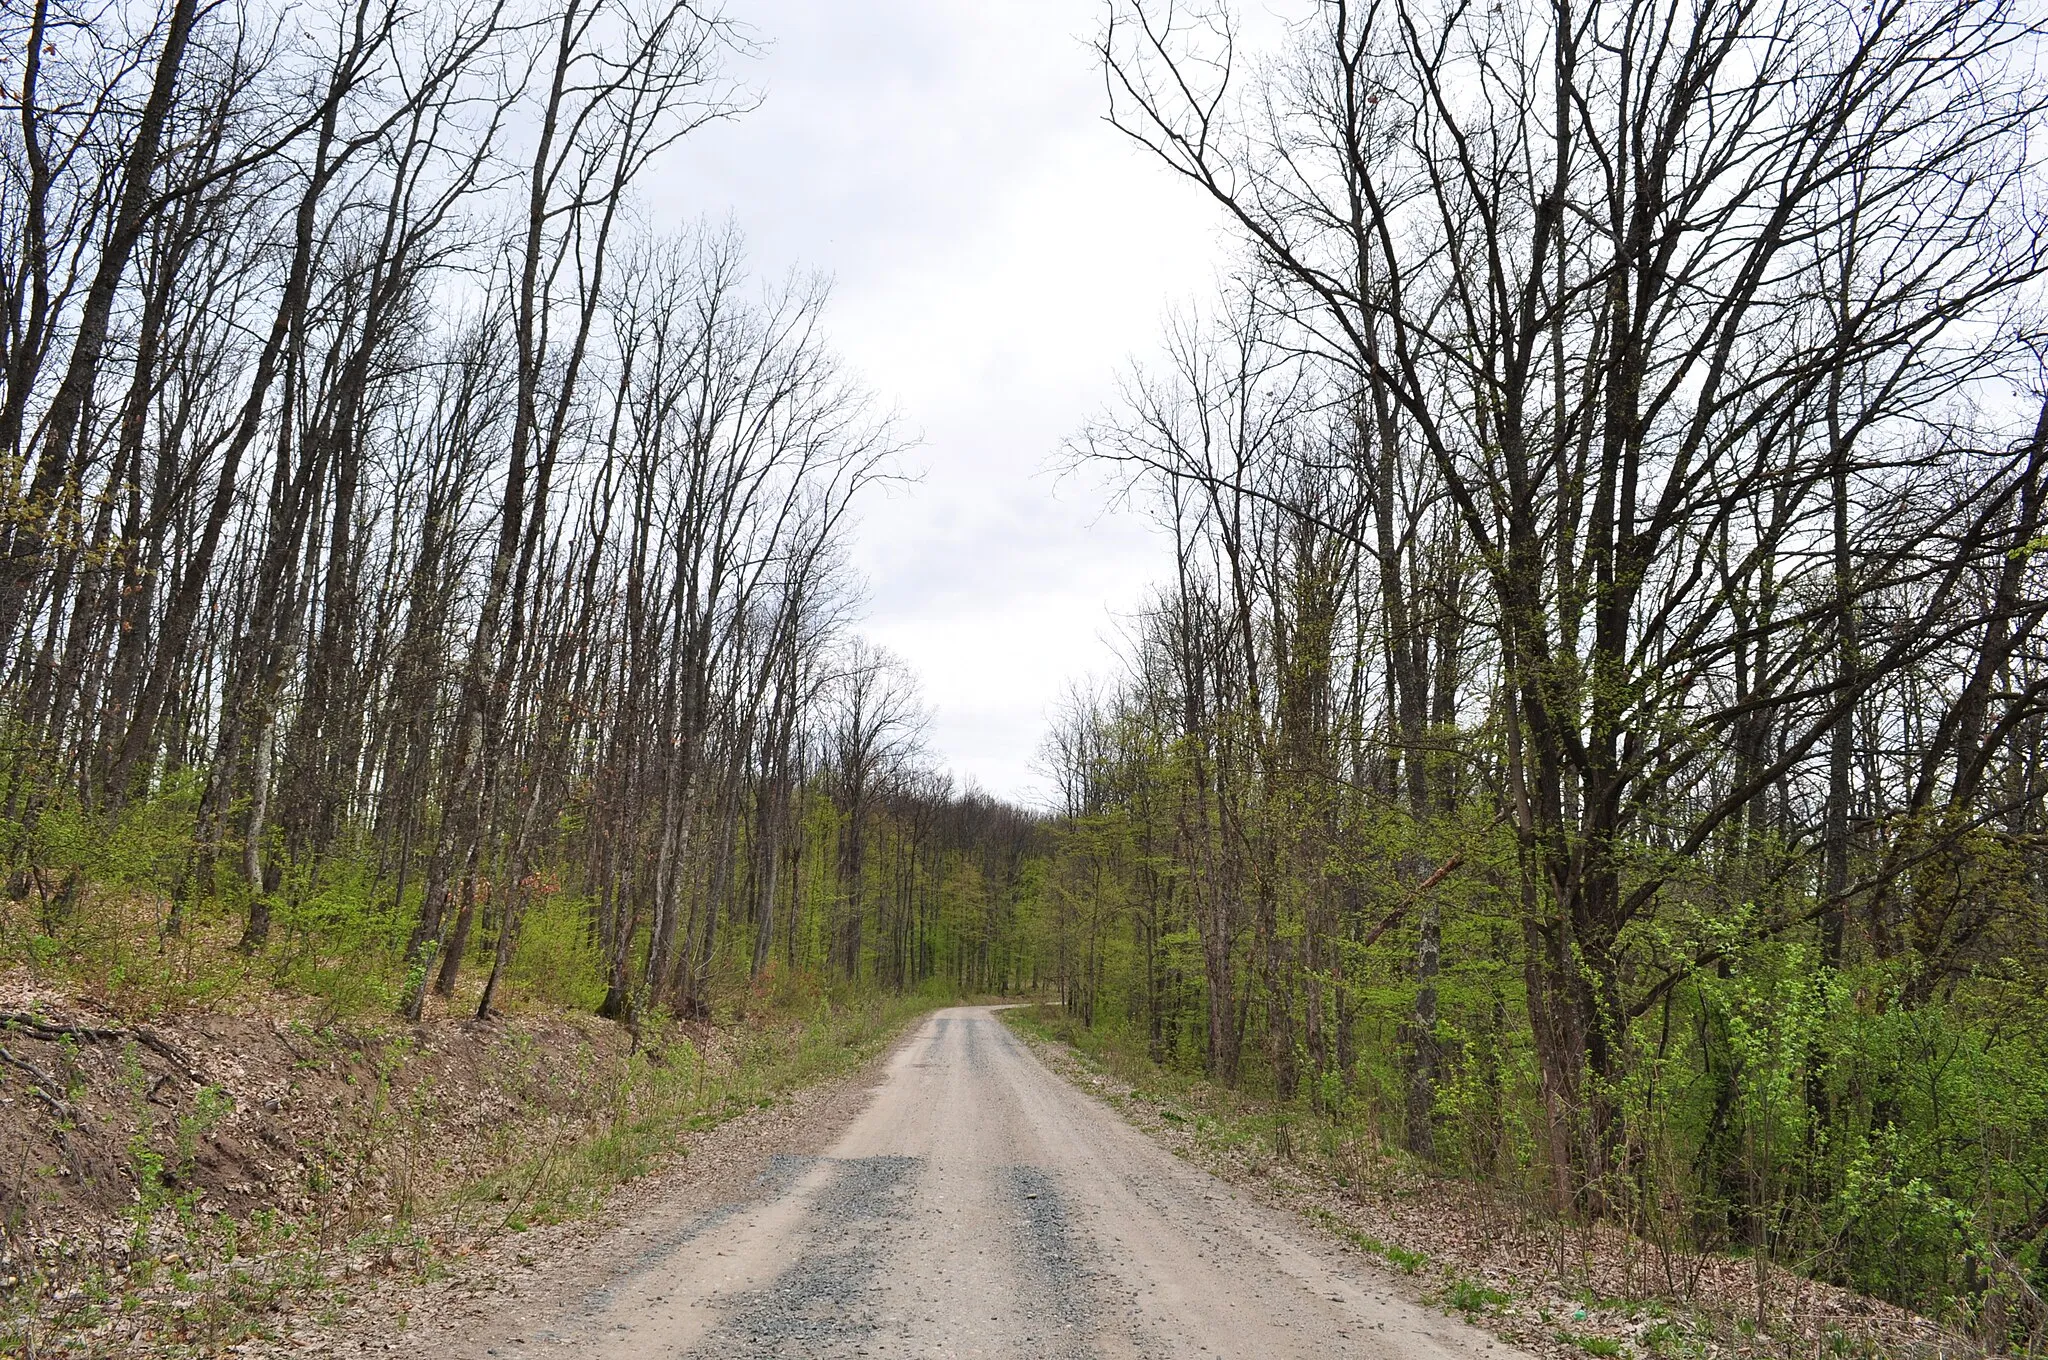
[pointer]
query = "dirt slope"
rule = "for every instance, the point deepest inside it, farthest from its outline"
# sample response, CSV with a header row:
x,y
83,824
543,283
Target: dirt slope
x,y
235,1114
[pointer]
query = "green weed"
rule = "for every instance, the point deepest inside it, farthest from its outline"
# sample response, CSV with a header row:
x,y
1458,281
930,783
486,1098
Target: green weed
x,y
1469,1296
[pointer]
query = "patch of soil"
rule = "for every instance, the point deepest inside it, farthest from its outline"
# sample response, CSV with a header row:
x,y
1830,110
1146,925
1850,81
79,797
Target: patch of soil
x,y
228,1114
252,1135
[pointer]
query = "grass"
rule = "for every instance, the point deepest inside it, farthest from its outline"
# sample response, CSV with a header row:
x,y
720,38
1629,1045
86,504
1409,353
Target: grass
x,y
1468,1296
662,1092
1404,1260
1592,1345
1667,1339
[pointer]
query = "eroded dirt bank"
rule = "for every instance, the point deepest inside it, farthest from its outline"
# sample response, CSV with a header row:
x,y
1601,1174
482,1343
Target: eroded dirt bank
x,y
126,1138
215,1181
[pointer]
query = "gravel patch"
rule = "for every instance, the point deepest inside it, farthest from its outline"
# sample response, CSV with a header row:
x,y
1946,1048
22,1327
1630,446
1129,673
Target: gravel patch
x,y
1053,1257
826,1303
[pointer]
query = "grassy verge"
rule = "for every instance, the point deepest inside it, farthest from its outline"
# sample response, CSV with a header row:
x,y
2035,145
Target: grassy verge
x,y
1556,1289
666,1090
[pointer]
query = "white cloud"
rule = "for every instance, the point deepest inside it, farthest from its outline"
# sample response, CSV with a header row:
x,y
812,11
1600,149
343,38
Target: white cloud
x,y
998,252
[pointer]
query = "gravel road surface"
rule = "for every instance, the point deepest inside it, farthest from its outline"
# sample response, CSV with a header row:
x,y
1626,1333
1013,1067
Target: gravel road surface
x,y
981,1206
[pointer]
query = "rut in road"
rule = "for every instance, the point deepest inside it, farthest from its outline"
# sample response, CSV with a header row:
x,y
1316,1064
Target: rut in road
x,y
981,1206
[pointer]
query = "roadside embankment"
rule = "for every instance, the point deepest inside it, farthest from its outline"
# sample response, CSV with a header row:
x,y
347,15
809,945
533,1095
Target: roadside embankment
x,y
180,1185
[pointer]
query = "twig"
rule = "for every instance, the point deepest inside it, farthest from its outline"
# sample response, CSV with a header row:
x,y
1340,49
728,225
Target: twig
x,y
1394,916
41,1082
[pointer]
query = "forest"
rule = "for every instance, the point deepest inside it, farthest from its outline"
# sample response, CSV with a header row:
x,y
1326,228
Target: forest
x,y
1592,729
1588,734
410,549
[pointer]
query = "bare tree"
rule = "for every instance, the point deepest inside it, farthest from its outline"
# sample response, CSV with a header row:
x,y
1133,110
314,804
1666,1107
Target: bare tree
x,y
1634,282
875,728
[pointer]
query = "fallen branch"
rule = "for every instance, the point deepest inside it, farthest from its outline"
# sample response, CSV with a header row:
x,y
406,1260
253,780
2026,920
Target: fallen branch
x,y
93,1034
43,1029
170,1053
1422,888
41,1082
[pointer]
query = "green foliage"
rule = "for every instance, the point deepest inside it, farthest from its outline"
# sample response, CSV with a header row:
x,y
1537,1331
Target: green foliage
x,y
558,961
146,848
1469,1296
1881,1122
116,907
1902,1233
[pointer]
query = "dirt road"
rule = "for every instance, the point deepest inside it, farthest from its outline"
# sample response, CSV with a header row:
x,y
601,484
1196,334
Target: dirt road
x,y
981,1206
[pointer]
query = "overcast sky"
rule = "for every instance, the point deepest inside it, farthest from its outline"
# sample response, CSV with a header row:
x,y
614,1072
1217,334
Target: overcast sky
x,y
998,253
